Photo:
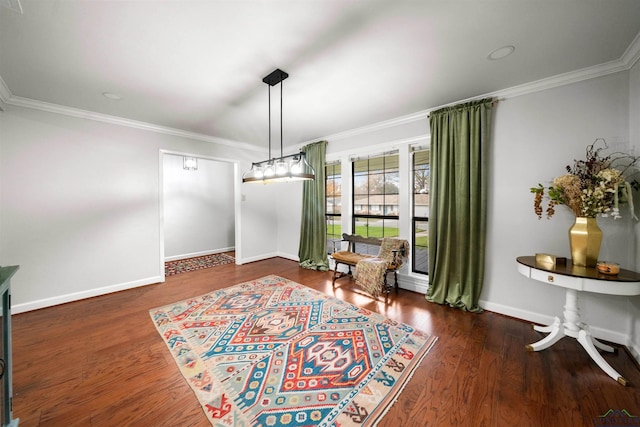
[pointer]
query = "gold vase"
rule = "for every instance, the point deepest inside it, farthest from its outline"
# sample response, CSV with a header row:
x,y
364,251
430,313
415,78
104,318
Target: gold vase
x,y
585,238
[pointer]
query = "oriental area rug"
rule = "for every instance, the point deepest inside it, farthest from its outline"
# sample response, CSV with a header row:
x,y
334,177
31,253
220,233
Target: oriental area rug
x,y
272,352
172,268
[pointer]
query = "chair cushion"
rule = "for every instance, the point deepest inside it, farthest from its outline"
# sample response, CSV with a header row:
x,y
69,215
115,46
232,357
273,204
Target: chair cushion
x,y
348,257
351,258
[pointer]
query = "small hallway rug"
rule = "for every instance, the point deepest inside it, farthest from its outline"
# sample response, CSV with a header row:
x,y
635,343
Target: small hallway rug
x,y
272,352
172,268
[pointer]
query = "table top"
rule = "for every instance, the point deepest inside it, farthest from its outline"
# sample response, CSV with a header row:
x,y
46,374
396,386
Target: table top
x,y
576,271
587,279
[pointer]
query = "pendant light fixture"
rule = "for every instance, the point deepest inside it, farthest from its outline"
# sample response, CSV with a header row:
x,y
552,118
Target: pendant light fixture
x,y
293,167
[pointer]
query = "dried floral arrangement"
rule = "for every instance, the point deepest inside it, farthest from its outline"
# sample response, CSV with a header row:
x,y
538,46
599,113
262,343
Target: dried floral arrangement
x,y
593,186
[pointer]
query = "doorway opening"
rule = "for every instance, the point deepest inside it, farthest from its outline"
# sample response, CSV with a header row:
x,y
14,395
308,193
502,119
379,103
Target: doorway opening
x,y
198,209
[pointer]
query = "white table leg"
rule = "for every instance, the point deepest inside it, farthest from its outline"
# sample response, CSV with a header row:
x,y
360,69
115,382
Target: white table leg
x,y
573,327
556,332
572,313
550,328
585,339
602,346
598,344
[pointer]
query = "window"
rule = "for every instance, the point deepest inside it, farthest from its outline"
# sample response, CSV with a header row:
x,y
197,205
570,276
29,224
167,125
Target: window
x,y
375,197
333,209
420,221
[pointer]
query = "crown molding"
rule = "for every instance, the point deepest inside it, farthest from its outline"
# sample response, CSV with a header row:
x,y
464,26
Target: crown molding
x,y
563,79
632,54
105,118
398,121
5,93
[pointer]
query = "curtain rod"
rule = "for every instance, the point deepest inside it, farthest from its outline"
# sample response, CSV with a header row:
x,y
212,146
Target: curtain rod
x,y
419,148
373,156
494,102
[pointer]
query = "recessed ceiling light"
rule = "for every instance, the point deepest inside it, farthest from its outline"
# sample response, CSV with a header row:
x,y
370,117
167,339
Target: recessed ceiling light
x,y
111,95
501,52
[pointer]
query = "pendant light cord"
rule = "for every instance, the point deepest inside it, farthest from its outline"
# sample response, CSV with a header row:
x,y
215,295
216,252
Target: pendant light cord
x,y
281,84
269,86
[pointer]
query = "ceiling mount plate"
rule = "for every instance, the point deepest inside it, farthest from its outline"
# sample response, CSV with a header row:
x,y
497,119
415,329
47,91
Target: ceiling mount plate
x,y
275,77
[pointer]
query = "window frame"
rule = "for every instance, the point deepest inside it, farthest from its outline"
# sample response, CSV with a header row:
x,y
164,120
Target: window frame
x,y
418,265
388,175
333,220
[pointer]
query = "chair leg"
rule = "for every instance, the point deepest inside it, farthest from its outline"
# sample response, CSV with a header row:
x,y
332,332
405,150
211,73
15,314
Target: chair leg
x,y
395,278
336,274
386,288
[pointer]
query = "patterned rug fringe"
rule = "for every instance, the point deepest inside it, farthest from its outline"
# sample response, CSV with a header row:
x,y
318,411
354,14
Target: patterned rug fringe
x,y
409,376
172,268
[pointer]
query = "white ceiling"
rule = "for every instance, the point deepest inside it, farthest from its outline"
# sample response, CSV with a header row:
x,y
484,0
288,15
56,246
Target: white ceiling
x,y
197,66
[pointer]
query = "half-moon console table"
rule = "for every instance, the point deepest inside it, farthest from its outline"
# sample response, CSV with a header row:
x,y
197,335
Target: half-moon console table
x,y
577,279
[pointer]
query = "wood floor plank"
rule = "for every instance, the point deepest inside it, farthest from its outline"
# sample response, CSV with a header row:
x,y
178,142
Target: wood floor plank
x,y
101,362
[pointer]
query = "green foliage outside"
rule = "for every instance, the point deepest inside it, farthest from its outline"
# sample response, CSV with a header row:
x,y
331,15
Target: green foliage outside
x,y
335,232
374,231
422,241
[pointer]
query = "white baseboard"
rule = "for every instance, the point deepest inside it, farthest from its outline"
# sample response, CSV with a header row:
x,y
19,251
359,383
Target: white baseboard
x,y
197,254
413,284
76,296
255,258
289,256
530,316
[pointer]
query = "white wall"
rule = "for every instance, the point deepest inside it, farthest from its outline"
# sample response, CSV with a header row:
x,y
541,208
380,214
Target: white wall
x,y
289,199
80,205
199,217
259,230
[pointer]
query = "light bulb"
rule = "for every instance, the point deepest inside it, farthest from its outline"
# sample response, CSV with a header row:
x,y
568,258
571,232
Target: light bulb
x,y
296,168
269,171
281,168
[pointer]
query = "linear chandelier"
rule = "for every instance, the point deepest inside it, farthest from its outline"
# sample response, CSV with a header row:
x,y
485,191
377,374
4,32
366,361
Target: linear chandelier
x,y
293,167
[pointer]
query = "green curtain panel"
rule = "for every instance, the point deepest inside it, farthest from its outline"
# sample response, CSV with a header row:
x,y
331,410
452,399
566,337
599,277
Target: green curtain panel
x,y
458,205
313,230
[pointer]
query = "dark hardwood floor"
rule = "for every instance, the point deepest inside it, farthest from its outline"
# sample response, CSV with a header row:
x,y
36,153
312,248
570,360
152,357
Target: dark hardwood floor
x,y
101,362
